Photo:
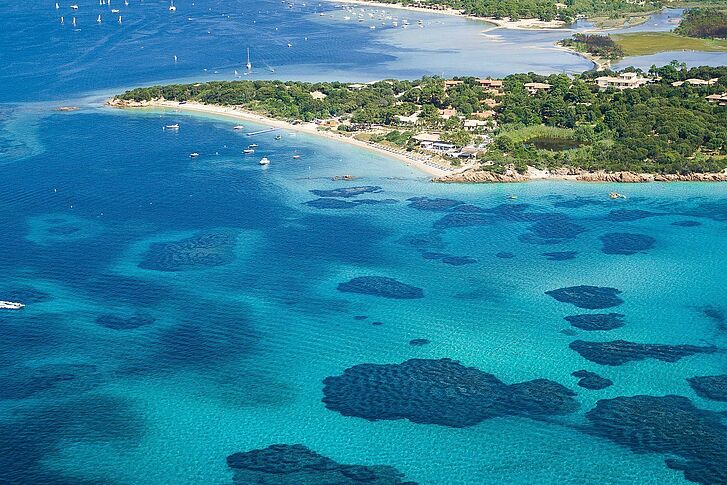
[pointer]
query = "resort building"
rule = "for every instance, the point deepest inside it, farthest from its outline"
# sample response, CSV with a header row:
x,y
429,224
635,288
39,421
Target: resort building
x,y
317,95
696,82
447,113
409,120
534,88
721,99
474,125
490,83
452,83
625,80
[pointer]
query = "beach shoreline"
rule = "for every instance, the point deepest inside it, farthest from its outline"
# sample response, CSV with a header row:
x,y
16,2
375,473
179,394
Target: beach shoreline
x,y
505,22
240,114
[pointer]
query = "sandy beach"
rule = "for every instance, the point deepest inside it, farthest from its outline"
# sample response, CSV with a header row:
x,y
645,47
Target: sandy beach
x,y
309,128
505,22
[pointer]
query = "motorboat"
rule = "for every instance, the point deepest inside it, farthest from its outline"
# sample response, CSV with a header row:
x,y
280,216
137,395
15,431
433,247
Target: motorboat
x,y
264,161
10,305
248,151
193,155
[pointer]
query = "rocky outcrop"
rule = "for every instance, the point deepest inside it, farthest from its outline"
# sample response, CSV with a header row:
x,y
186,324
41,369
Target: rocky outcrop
x,y
484,176
481,177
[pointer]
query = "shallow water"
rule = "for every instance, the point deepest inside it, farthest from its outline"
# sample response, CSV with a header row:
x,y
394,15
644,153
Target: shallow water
x,y
180,309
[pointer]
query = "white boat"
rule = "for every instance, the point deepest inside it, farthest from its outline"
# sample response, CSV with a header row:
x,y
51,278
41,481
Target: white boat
x,y
74,7
62,21
238,127
264,161
126,3
193,155
119,19
296,157
115,10
10,305
98,20
252,145
175,126
290,45
172,8
248,151
73,22
57,6
249,64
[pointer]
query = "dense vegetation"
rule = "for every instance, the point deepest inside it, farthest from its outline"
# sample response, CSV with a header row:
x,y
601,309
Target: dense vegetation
x,y
705,23
598,45
657,128
541,9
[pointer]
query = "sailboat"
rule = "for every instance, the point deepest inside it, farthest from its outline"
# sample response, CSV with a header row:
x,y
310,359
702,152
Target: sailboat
x,y
119,19
172,8
62,21
249,64
73,22
98,20
57,6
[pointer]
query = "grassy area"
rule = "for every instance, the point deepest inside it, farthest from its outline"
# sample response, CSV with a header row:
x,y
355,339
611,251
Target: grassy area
x,y
645,43
527,133
618,22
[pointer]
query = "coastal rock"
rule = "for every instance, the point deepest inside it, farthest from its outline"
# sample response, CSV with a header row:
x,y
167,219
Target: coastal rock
x,y
201,251
590,297
116,322
632,177
441,392
591,380
346,192
433,204
619,352
561,255
381,286
474,176
596,321
710,387
299,465
626,243
668,425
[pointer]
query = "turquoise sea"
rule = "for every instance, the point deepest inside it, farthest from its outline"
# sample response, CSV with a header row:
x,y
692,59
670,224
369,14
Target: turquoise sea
x,y
180,310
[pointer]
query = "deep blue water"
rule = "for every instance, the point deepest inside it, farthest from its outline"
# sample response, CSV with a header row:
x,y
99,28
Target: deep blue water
x,y
180,310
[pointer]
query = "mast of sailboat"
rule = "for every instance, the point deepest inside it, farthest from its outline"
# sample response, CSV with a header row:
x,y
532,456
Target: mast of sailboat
x,y
249,64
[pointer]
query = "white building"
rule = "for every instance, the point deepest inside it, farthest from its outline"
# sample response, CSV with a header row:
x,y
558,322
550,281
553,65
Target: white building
x,y
625,80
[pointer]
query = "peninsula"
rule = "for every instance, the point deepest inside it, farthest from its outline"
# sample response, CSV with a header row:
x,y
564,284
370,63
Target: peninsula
x,y
666,124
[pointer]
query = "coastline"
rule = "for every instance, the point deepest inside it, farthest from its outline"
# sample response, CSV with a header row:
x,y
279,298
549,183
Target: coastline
x,y
505,23
307,128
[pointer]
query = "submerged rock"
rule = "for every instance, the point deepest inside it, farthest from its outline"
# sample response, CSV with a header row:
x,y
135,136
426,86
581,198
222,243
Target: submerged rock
x,y
120,323
347,192
325,203
299,465
686,223
202,251
626,243
619,352
465,219
441,392
433,204
669,425
553,229
710,387
627,215
590,297
418,342
381,286
596,321
561,255
25,382
591,380
458,260
504,255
